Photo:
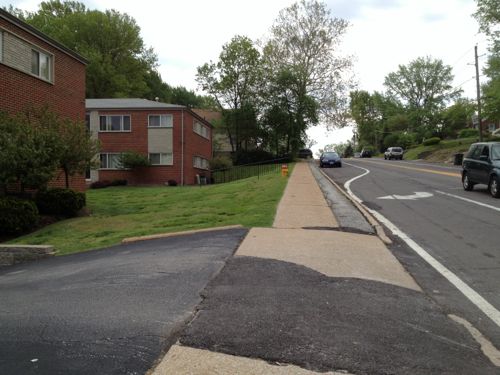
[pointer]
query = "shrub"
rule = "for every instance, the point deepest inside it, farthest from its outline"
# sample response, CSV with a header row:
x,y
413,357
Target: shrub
x,y
468,133
100,184
17,215
172,183
252,156
118,182
65,202
431,141
220,163
133,159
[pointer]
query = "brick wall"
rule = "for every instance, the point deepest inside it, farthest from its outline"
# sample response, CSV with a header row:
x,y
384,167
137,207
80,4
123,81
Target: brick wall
x,y
137,140
65,95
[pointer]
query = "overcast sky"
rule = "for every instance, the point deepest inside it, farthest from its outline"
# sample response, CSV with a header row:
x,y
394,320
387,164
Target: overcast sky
x,y
383,34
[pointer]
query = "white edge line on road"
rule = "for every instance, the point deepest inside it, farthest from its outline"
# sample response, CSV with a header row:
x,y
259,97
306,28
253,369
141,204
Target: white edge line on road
x,y
469,200
487,308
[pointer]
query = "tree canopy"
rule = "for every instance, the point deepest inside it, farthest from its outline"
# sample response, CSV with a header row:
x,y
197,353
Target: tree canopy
x,y
120,64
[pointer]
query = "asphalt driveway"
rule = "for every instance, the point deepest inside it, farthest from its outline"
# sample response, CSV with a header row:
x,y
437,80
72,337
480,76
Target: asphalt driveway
x,y
110,311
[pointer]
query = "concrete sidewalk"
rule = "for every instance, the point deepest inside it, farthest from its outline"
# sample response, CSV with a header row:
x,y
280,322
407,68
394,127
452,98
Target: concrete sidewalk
x,y
305,235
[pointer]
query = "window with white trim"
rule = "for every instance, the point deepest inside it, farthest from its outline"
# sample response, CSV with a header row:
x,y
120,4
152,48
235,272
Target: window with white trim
x,y
111,161
41,64
160,121
492,127
201,129
200,163
163,158
114,123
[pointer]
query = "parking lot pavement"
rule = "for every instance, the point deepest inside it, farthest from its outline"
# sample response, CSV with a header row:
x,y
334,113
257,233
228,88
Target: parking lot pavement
x,y
110,311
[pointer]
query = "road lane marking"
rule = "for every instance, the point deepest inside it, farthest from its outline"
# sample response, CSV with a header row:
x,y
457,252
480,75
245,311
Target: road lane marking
x,y
451,174
412,197
469,200
487,308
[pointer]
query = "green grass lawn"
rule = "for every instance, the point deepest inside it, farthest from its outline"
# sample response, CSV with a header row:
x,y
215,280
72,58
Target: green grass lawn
x,y
441,152
120,212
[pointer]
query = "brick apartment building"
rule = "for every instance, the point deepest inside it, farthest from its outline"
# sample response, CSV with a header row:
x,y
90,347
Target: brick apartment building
x,y
37,71
176,140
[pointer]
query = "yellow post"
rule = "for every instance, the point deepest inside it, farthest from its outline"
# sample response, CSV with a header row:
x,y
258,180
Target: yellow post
x,y
284,170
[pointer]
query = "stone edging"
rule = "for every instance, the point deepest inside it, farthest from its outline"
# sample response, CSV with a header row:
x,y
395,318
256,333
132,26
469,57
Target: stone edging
x,y
165,235
12,254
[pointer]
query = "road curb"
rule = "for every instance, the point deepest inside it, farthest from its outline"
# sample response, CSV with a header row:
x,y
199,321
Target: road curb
x,y
174,234
373,222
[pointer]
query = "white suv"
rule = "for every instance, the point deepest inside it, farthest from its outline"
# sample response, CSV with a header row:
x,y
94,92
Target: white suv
x,y
394,153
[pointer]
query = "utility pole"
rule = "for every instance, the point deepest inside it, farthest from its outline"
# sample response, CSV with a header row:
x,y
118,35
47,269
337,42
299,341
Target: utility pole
x,y
478,96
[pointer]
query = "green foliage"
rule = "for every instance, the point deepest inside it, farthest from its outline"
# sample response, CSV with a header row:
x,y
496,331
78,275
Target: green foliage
x,y
424,86
431,141
17,216
132,159
110,40
77,148
221,163
175,95
457,117
29,148
467,133
64,202
36,142
233,83
252,156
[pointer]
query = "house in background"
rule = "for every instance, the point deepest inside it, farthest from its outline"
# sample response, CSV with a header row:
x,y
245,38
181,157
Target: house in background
x,y
220,141
177,141
37,71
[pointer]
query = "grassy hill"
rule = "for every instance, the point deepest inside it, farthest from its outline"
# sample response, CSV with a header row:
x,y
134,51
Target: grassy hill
x,y
442,152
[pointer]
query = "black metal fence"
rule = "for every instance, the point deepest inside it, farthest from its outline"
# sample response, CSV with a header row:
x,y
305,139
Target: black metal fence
x,y
247,170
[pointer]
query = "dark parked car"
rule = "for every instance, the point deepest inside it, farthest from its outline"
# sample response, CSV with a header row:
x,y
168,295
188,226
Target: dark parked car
x,y
366,153
305,153
481,165
330,159
394,153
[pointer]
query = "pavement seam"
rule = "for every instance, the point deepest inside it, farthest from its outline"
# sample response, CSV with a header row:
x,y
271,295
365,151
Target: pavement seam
x,y
373,222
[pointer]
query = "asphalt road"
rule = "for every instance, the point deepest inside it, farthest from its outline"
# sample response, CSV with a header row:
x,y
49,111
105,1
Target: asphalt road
x,y
110,311
459,229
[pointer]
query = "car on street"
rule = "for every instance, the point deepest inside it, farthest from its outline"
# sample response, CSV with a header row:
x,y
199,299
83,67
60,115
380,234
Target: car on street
x,y
330,159
357,154
305,153
481,165
366,153
393,153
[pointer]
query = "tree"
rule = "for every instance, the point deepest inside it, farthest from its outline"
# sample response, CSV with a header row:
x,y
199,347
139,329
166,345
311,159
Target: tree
x,y
425,87
77,149
29,148
232,83
304,40
457,117
118,59
488,16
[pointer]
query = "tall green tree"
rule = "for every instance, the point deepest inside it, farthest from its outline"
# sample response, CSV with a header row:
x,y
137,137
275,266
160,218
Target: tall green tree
x,y
232,82
119,61
488,16
304,44
424,86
